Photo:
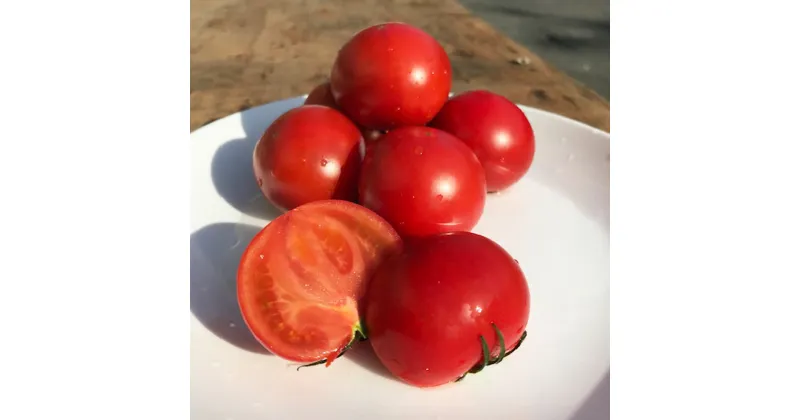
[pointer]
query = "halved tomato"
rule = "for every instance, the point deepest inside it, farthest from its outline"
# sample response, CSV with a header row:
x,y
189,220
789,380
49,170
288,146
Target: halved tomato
x,y
301,279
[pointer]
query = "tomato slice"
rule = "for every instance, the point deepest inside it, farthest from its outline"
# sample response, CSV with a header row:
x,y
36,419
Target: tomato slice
x,y
302,277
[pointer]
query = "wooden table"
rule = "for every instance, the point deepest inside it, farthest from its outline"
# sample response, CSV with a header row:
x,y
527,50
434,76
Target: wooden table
x,y
246,53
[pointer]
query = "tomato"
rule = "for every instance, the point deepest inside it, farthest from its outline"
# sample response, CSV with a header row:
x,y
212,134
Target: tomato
x,y
391,75
423,181
371,135
321,95
497,131
309,153
301,278
429,309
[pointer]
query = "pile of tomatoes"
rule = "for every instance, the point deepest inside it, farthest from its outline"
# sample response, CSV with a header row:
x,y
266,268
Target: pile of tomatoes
x,y
382,176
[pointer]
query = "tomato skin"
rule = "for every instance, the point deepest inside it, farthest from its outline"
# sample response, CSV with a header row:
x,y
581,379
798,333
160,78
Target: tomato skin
x,y
321,95
423,181
391,75
302,278
496,130
309,153
426,307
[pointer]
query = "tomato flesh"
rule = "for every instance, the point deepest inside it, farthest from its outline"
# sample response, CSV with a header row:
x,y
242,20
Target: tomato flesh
x,y
427,307
302,277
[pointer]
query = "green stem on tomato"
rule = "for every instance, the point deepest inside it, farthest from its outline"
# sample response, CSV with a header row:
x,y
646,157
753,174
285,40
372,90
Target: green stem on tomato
x,y
502,341
486,353
519,343
358,336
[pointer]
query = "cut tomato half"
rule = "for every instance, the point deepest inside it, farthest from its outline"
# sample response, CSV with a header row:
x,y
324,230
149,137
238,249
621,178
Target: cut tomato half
x,y
301,278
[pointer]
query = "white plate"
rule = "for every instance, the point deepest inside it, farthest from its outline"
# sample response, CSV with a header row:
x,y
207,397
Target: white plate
x,y
555,221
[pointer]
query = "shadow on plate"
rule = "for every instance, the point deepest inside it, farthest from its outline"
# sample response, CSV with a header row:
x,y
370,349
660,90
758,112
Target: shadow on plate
x,y
232,164
215,251
214,254
363,355
597,406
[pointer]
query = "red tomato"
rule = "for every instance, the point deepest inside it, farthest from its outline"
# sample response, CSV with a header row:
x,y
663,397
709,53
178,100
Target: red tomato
x,y
391,75
371,135
309,153
428,308
301,278
321,95
496,130
423,181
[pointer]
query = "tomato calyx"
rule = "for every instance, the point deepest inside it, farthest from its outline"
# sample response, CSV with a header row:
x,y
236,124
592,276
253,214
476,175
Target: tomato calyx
x,y
521,339
487,359
358,336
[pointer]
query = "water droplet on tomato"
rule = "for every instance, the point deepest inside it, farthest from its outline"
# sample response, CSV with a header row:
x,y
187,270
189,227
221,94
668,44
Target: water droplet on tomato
x,y
398,109
440,197
418,150
323,163
261,256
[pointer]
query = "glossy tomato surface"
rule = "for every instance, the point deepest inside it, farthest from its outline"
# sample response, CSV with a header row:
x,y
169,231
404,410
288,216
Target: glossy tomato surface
x,y
321,95
391,75
301,278
496,130
428,307
309,153
423,181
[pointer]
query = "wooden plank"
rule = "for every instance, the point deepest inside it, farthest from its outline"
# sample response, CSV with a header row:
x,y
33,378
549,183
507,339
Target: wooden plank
x,y
249,52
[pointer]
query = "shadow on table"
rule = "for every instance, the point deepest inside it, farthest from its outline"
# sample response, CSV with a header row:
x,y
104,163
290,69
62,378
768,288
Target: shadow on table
x,y
214,254
232,164
597,405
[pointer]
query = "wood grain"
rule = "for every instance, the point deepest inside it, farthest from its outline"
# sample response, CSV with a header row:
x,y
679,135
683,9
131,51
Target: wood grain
x,y
246,53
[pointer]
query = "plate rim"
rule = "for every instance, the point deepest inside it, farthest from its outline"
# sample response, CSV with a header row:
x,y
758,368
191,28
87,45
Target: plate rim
x,y
525,108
